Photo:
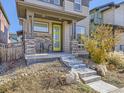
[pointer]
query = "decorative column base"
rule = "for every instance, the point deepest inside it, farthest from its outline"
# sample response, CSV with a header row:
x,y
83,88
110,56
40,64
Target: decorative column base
x,y
30,46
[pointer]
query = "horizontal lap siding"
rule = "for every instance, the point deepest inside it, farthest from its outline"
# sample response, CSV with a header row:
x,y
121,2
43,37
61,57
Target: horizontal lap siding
x,y
84,2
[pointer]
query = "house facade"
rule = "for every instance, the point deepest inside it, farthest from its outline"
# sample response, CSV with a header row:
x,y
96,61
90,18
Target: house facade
x,y
51,25
113,15
4,25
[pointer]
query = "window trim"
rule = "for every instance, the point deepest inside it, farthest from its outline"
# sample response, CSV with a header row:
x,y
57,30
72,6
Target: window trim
x,y
79,4
41,22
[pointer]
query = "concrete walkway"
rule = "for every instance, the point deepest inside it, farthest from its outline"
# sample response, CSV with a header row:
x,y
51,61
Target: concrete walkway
x,y
102,86
118,91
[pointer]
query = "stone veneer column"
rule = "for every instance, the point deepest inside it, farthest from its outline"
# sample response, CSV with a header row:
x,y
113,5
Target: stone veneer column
x,y
29,40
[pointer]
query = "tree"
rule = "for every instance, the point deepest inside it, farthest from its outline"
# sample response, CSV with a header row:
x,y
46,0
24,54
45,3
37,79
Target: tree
x,y
100,44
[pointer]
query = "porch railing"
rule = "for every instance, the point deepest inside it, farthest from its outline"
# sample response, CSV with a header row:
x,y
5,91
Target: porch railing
x,y
78,49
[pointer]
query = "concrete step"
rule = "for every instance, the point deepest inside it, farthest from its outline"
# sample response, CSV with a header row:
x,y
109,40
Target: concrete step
x,y
103,87
90,79
87,73
77,66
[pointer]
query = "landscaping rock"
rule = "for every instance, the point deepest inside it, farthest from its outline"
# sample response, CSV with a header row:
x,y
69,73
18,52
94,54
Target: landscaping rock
x,y
71,78
3,68
101,69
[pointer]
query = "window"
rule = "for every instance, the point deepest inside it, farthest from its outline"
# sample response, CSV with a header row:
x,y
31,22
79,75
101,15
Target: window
x,y
121,47
77,5
80,31
57,2
41,27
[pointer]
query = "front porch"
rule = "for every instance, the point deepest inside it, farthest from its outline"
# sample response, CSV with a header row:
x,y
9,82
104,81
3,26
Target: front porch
x,y
45,57
47,35
49,31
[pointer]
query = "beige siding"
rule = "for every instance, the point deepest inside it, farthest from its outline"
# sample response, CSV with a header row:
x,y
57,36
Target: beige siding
x,y
69,7
114,16
108,16
43,4
119,15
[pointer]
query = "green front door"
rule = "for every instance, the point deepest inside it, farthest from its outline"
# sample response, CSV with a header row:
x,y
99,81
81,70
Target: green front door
x,y
57,37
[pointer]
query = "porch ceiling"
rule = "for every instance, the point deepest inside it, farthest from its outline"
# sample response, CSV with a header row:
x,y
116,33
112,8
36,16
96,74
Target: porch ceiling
x,y
61,14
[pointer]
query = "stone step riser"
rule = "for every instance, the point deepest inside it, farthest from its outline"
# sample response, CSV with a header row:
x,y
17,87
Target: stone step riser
x,y
91,80
87,74
78,67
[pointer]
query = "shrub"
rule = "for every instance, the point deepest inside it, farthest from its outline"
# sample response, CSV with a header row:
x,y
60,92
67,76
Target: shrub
x,y
116,59
100,43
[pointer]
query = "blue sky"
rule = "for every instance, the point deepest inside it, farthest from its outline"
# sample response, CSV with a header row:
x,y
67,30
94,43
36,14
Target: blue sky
x,y
10,8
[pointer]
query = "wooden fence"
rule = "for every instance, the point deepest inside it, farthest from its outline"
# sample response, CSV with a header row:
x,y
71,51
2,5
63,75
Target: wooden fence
x,y
11,52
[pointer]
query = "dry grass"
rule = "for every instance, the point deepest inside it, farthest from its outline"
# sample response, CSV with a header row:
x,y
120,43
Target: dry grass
x,y
42,78
115,78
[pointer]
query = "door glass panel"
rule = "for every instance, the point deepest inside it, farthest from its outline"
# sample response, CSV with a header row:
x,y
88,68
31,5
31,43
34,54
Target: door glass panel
x,y
56,37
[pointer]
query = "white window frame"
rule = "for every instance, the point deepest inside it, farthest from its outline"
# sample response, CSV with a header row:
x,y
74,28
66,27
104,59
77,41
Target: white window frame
x,y
79,3
41,23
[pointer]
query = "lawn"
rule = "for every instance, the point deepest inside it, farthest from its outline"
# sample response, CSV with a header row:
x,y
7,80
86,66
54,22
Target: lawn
x,y
41,78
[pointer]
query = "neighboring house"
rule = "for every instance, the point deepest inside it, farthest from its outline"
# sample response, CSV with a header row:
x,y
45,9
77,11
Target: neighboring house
x,y
51,25
14,38
112,14
4,25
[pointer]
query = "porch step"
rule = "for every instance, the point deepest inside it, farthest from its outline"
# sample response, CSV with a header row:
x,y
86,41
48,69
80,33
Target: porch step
x,y
90,79
77,66
72,62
